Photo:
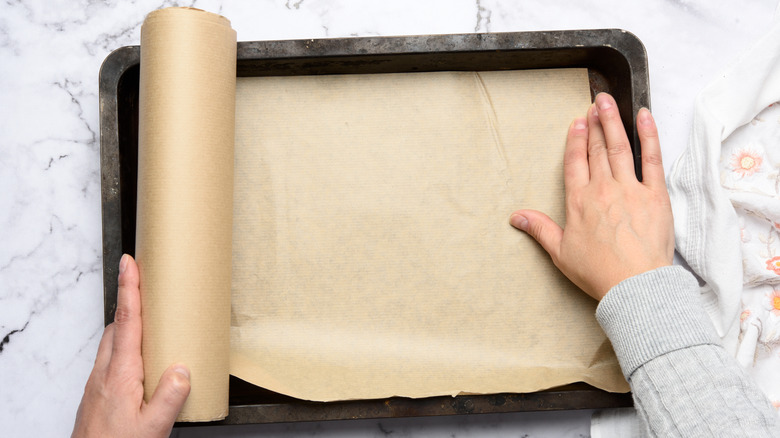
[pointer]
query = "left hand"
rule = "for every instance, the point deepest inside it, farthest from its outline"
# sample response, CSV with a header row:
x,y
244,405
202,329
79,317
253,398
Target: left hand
x,y
113,404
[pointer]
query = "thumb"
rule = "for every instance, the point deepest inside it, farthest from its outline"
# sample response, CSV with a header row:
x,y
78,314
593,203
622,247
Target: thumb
x,y
539,226
169,397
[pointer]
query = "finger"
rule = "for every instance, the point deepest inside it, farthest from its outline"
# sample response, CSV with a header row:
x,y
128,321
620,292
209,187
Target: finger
x,y
652,164
621,160
575,158
539,226
168,398
127,319
103,356
597,147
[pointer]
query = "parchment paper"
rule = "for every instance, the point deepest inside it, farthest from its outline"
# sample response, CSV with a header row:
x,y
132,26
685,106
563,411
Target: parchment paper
x,y
371,253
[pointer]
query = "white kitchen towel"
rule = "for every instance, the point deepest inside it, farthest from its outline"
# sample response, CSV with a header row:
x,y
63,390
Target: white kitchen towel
x,y
707,224
725,191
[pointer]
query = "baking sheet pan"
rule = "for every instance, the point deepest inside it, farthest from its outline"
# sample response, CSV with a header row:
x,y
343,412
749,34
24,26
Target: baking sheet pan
x,y
616,62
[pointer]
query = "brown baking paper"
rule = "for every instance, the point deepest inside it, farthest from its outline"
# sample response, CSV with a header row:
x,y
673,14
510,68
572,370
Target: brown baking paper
x,y
185,188
371,250
372,255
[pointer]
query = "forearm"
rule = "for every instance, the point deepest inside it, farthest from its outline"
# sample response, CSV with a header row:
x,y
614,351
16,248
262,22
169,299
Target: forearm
x,y
683,381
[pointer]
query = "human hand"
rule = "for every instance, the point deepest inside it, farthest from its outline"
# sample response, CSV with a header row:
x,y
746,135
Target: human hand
x,y
113,404
616,226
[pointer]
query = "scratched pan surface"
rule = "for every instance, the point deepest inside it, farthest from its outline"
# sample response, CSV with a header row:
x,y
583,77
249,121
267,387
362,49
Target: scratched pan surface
x,y
616,61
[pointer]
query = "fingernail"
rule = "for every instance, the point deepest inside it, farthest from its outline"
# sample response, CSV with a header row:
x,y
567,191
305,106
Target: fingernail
x,y
645,118
579,124
594,111
519,221
181,369
603,101
123,263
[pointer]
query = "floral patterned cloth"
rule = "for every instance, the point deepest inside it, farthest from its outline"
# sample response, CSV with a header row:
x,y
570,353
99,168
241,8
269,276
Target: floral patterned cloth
x,y
725,192
750,172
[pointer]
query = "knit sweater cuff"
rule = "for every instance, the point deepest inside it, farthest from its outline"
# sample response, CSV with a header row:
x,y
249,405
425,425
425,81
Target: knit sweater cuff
x,y
652,314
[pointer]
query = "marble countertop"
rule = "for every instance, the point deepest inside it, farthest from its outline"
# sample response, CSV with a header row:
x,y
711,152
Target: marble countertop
x,y
51,304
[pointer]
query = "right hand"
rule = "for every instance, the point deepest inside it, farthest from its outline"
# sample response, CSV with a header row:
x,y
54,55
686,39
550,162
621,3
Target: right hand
x,y
616,226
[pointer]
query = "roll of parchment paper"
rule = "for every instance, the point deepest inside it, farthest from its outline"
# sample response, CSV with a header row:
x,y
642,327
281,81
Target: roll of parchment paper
x,y
185,197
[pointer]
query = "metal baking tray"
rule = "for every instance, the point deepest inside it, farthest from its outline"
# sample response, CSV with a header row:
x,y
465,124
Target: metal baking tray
x,y
616,61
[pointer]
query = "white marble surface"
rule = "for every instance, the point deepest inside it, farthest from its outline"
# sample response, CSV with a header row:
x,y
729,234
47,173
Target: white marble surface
x,y
50,232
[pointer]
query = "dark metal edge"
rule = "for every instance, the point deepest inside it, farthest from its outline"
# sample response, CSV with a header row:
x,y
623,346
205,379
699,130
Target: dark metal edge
x,y
619,39
433,406
111,71
631,47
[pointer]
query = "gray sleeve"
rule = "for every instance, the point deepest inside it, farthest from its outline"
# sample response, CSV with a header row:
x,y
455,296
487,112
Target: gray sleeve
x,y
683,381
